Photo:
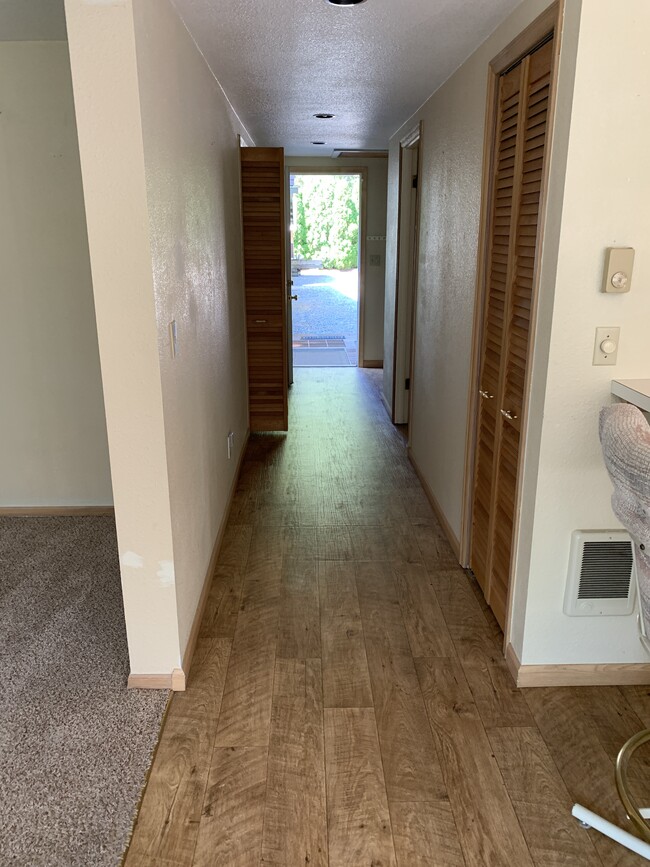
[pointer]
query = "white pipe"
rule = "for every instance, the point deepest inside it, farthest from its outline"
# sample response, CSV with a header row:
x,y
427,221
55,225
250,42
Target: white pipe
x,y
609,830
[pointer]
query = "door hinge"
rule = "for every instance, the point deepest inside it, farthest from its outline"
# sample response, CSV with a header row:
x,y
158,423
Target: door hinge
x,y
407,383
415,182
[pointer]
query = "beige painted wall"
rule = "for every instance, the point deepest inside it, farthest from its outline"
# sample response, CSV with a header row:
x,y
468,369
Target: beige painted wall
x,y
160,162
597,198
107,105
604,203
53,446
192,170
450,188
376,225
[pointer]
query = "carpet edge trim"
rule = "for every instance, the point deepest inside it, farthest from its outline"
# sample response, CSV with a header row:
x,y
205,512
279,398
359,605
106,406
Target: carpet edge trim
x,y
145,783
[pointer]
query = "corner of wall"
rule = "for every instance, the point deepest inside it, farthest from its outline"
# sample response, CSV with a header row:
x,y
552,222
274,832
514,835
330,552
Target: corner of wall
x,y
102,55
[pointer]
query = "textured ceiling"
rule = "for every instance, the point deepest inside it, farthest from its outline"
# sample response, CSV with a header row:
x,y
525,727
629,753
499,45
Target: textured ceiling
x,y
31,20
372,65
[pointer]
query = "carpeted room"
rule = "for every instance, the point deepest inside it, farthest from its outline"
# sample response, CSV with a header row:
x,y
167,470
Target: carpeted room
x,y
74,744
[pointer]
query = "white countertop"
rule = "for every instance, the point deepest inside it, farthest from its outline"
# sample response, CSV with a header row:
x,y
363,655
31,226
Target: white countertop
x,y
636,391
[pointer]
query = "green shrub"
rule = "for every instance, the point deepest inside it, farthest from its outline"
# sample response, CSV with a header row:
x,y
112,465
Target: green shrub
x,y
326,212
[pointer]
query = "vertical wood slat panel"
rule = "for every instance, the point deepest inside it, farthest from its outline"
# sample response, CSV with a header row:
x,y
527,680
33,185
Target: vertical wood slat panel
x,y
532,148
264,228
501,217
517,174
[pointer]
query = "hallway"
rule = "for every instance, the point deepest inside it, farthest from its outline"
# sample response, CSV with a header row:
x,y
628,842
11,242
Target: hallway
x,y
349,703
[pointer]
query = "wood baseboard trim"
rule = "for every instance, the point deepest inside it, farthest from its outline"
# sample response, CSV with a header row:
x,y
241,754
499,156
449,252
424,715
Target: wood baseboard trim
x,y
174,681
435,505
594,674
207,581
512,661
386,406
373,362
55,511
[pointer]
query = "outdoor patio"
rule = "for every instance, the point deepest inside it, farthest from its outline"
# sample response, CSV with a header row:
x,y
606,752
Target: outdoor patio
x,y
325,328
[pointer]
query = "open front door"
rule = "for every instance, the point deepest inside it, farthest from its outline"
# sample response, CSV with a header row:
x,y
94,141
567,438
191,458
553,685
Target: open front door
x,y
290,296
265,274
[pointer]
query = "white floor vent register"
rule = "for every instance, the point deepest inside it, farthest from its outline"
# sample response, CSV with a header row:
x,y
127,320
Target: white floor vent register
x,y
601,574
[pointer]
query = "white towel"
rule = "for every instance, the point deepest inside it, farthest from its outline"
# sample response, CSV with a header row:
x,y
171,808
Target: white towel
x,y
625,438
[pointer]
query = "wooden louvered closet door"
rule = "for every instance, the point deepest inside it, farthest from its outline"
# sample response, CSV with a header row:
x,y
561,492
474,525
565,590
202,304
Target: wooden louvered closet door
x,y
264,229
517,177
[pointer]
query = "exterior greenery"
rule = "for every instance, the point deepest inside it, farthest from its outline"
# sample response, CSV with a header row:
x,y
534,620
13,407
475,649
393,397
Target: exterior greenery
x,y
326,215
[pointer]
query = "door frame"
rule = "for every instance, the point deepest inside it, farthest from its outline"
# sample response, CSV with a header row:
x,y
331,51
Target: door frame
x,y
549,21
412,138
362,171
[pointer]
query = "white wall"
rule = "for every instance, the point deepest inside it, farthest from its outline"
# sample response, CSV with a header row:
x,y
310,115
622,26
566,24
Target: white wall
x,y
193,193
160,164
604,203
376,225
53,447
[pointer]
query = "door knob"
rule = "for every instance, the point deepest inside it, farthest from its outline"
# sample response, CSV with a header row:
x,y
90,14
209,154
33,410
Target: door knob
x,y
293,297
507,414
486,394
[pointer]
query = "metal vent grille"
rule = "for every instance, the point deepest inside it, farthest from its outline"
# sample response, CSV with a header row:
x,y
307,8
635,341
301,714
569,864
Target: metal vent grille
x,y
601,574
606,571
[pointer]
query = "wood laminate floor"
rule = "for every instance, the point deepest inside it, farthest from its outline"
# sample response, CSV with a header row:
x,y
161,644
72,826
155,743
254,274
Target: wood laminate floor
x,y
349,704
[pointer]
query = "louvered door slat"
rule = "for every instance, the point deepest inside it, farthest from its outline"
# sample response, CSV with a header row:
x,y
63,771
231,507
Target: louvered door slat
x,y
516,347
494,319
264,280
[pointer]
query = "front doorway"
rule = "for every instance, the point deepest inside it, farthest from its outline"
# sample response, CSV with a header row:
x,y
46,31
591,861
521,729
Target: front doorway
x,y
326,279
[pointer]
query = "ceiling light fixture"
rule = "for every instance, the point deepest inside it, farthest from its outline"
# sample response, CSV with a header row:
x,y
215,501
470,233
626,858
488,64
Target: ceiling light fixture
x,y
323,115
345,2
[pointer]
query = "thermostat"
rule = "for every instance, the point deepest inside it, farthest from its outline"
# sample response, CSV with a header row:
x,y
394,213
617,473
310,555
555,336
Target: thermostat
x,y
618,269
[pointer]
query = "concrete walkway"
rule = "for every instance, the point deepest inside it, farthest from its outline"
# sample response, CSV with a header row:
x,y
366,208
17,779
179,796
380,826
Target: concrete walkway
x,y
327,307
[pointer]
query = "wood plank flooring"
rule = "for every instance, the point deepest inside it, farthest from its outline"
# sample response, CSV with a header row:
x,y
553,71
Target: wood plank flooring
x,y
349,704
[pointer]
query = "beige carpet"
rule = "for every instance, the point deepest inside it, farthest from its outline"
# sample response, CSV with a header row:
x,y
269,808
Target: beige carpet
x,y
75,746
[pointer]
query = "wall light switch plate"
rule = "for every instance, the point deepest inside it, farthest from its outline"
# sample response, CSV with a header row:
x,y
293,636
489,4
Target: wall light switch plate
x,y
606,345
173,338
617,276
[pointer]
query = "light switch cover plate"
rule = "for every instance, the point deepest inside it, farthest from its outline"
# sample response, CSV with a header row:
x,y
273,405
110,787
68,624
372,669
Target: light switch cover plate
x,y
603,335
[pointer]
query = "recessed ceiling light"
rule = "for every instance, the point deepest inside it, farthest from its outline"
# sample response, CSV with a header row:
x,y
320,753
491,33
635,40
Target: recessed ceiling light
x,y
345,2
318,142
323,115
